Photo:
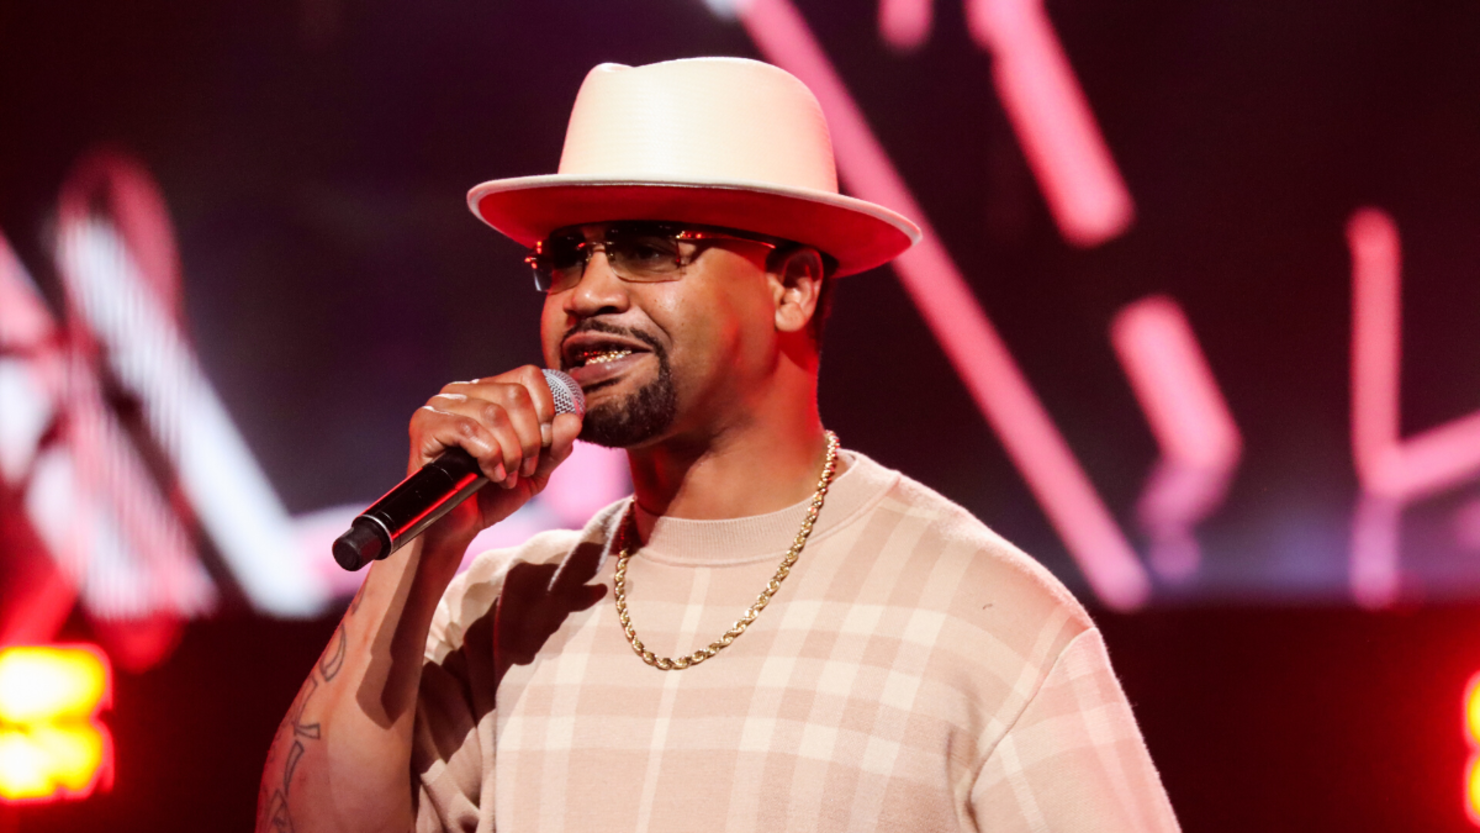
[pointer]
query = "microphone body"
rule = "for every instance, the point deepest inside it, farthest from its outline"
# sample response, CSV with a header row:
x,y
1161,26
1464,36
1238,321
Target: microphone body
x,y
431,492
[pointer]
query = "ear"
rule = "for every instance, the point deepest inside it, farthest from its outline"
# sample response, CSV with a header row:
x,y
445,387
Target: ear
x,y
796,283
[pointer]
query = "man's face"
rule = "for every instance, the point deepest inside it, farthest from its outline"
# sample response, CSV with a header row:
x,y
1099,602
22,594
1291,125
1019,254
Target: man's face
x,y
665,358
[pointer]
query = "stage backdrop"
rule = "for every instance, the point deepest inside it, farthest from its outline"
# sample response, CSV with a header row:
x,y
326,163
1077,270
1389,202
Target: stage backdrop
x,y
1193,321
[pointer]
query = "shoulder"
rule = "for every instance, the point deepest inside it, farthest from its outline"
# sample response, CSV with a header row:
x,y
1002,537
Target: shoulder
x,y
473,592
986,581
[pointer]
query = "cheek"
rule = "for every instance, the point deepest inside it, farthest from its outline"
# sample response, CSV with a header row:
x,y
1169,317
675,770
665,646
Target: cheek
x,y
728,335
696,327
715,321
552,329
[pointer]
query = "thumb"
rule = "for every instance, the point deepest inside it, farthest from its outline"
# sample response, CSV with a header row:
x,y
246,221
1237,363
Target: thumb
x,y
565,429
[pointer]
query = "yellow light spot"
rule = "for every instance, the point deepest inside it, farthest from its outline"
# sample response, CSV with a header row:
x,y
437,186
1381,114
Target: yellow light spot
x,y
1472,710
51,744
48,683
73,753
23,770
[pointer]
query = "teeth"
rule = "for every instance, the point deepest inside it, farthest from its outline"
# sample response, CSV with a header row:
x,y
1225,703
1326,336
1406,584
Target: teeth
x,y
604,356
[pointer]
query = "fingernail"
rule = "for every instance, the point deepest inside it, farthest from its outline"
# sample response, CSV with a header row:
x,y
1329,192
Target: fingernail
x,y
547,434
511,481
528,468
498,472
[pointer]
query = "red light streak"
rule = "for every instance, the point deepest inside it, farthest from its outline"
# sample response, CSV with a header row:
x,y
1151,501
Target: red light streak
x,y
1393,471
1199,441
1048,110
1053,120
38,599
970,341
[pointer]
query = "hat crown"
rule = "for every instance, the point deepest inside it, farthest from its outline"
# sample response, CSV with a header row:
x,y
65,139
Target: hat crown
x,y
718,119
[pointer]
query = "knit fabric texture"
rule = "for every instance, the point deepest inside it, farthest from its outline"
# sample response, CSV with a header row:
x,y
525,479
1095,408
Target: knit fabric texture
x,y
915,673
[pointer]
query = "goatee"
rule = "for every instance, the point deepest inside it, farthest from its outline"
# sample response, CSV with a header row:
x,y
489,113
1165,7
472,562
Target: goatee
x,y
638,417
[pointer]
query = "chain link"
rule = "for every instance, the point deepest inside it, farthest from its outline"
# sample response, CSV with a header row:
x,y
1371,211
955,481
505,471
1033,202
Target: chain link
x,y
629,536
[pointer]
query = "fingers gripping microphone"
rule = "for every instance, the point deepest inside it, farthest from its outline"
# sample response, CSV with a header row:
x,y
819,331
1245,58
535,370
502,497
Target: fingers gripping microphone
x,y
423,498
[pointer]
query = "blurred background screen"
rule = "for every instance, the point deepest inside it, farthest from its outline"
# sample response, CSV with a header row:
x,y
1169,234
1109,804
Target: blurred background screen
x,y
1189,325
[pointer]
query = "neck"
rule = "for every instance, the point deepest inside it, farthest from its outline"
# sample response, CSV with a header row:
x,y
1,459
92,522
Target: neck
x,y
766,461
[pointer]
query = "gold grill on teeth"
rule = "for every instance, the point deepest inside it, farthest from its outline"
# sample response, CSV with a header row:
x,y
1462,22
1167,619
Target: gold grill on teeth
x,y
604,356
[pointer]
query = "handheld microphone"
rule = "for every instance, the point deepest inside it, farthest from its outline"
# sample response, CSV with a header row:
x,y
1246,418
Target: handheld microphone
x,y
423,498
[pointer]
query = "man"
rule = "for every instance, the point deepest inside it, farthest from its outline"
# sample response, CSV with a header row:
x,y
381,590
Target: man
x,y
772,634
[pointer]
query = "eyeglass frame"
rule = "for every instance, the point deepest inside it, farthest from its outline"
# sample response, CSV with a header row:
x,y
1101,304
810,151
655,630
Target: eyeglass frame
x,y
678,232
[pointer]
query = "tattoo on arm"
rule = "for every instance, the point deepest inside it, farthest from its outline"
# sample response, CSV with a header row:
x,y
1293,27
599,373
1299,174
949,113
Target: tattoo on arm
x,y
333,658
295,714
272,800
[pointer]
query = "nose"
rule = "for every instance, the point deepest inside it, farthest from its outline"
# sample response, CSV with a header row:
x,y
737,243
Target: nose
x,y
599,290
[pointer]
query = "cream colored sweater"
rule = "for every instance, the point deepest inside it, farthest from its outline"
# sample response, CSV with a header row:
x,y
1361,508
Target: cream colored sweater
x,y
915,673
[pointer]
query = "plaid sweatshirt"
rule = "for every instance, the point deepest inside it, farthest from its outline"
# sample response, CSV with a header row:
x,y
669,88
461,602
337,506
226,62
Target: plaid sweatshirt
x,y
916,672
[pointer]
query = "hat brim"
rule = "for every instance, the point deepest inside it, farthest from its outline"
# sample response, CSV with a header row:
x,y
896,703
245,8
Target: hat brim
x,y
858,234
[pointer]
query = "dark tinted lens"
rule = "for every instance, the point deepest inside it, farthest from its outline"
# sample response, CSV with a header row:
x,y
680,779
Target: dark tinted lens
x,y
564,253
556,261
642,251
541,273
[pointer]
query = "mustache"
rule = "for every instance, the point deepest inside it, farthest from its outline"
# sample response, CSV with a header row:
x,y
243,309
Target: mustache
x,y
591,325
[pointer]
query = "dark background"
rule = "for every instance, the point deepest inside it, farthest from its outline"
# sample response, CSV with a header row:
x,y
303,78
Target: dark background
x,y
315,153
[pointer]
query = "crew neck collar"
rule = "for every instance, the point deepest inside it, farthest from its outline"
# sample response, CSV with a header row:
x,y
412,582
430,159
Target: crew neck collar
x,y
689,542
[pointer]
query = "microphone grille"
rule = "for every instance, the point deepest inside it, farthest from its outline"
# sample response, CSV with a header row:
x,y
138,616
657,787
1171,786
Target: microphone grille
x,y
568,396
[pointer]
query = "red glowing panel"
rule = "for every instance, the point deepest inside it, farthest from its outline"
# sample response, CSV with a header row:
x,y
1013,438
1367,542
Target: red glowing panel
x,y
52,745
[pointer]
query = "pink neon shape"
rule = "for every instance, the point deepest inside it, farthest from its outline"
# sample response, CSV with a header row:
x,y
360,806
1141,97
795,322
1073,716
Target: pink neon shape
x,y
904,24
118,266
965,333
108,480
1053,120
1393,471
1199,441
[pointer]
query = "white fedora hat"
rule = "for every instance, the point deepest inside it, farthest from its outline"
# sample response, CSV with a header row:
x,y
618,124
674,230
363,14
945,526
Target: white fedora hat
x,y
715,141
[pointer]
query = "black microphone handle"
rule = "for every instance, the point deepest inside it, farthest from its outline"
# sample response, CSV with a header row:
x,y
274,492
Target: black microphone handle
x,y
405,511
423,498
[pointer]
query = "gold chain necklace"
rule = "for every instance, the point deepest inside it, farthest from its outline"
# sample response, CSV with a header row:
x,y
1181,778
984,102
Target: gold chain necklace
x,y
629,535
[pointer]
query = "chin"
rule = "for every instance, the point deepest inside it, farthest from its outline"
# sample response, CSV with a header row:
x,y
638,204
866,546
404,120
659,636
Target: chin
x,y
632,420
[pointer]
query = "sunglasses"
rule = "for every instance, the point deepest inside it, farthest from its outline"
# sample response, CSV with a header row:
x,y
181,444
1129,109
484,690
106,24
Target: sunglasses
x,y
637,251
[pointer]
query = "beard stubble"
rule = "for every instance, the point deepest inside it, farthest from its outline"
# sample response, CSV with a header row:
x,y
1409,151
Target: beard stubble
x,y
637,417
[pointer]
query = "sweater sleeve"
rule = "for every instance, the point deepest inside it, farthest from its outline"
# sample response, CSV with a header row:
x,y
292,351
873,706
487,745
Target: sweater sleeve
x,y
451,762
453,752
452,741
1074,760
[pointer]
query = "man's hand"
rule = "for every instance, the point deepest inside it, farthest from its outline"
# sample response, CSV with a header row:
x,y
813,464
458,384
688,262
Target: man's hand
x,y
509,425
